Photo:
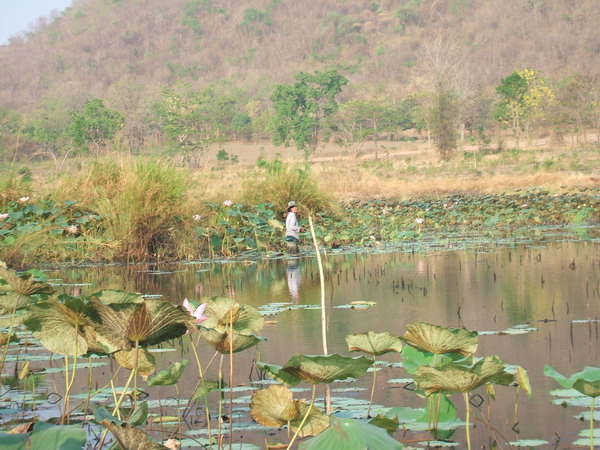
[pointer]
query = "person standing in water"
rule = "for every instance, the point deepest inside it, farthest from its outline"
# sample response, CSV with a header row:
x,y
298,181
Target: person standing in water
x,y
292,229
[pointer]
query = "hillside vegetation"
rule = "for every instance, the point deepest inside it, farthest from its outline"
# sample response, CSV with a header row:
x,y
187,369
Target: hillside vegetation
x,y
185,75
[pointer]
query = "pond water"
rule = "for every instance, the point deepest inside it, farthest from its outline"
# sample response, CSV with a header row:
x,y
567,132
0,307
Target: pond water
x,y
546,298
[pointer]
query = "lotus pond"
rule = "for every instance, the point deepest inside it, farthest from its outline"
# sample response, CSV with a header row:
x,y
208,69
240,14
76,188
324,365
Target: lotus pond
x,y
534,305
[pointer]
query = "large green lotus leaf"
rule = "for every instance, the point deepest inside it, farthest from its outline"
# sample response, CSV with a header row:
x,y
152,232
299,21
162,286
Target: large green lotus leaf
x,y
221,311
463,379
278,374
587,381
25,284
149,322
437,339
351,434
145,363
326,369
169,376
374,343
109,296
130,437
59,327
222,343
274,406
66,437
389,424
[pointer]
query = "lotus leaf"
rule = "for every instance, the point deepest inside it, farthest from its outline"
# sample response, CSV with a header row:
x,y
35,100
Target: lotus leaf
x,y
221,311
325,369
17,293
351,433
223,344
275,407
437,339
109,296
44,436
374,343
523,381
59,327
169,376
457,378
587,381
130,437
145,361
149,322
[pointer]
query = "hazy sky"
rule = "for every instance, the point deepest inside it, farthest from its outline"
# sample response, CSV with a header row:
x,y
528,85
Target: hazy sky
x,y
18,15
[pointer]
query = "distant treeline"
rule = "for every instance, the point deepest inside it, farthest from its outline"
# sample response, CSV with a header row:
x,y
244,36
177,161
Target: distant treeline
x,y
188,121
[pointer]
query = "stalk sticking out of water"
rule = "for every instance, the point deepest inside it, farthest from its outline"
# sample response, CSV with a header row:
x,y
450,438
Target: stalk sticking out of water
x,y
467,419
323,311
592,423
310,407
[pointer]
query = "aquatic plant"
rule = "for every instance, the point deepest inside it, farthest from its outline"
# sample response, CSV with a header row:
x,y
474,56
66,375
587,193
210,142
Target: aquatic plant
x,y
587,382
314,370
463,379
438,340
375,344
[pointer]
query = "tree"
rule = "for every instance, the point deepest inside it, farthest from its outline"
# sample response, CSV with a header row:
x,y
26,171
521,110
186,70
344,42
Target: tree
x,y
302,109
523,97
94,125
443,121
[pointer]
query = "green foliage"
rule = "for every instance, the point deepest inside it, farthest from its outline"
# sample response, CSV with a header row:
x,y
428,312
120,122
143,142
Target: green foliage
x,y
190,13
45,435
95,125
303,108
443,120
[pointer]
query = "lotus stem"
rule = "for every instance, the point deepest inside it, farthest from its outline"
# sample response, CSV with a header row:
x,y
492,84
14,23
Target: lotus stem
x,y
517,405
372,387
131,377
230,379
467,419
312,402
201,376
592,423
10,330
69,382
323,310
219,420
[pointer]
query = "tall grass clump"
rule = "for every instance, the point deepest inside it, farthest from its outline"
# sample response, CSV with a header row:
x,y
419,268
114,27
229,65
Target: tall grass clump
x,y
139,203
278,183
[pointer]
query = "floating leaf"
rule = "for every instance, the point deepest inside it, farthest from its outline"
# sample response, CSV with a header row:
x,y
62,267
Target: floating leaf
x,y
350,433
437,339
374,343
523,381
169,376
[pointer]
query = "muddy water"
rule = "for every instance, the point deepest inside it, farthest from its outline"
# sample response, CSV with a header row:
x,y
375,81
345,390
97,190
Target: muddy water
x,y
554,289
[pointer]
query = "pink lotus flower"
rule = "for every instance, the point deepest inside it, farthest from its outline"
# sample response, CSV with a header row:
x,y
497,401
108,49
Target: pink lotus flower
x,y
3,217
228,203
197,313
72,229
419,221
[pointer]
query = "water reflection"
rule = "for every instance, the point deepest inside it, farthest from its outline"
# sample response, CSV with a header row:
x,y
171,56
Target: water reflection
x,y
293,278
553,288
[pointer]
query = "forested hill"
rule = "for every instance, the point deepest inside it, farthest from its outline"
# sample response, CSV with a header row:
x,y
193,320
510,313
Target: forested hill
x,y
126,51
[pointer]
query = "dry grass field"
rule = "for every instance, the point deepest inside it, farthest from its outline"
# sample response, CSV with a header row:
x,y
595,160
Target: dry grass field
x,y
409,169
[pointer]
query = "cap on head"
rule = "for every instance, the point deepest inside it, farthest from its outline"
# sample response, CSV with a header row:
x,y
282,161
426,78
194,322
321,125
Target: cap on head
x,y
292,203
